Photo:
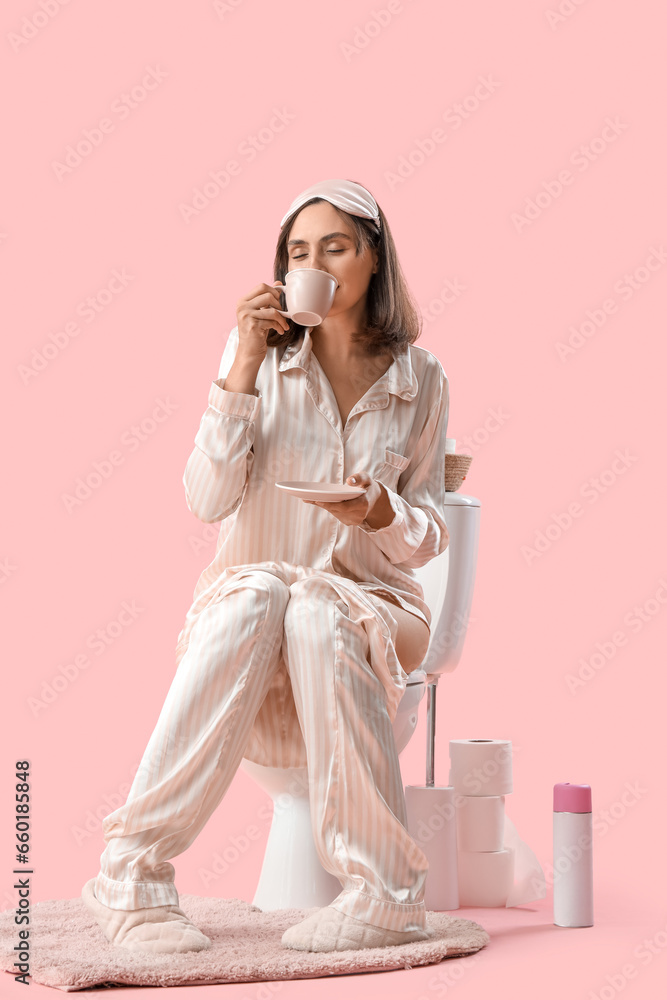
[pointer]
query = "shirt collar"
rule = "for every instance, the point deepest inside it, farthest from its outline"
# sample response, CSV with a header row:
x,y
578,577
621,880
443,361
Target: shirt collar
x,y
399,378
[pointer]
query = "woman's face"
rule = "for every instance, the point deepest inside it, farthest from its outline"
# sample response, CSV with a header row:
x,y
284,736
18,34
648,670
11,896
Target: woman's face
x,y
320,237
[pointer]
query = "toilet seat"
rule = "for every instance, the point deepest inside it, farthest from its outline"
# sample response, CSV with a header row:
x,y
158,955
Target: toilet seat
x,y
416,677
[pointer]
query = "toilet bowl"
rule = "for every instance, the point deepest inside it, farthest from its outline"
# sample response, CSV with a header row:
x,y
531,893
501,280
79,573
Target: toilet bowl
x,y
292,875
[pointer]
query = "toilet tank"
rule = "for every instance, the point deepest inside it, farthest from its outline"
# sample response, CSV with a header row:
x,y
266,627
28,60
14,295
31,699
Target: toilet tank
x,y
448,581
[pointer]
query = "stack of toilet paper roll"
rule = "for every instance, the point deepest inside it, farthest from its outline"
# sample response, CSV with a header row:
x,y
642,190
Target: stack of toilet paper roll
x,y
495,867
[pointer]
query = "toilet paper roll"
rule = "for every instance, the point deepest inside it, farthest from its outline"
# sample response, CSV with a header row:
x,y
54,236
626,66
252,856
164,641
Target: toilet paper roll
x,y
481,823
481,767
432,825
485,878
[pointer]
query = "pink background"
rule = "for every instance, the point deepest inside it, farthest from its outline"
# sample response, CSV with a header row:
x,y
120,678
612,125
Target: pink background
x,y
353,112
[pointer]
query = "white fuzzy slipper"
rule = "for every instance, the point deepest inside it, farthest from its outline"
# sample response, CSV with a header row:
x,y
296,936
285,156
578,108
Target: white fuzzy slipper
x,y
153,928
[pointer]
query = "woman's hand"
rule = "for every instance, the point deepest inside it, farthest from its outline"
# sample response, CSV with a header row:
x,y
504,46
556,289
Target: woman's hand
x,y
363,507
257,313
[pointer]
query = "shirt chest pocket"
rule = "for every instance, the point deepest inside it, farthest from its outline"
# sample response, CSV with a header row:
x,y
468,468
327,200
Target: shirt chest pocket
x,y
389,471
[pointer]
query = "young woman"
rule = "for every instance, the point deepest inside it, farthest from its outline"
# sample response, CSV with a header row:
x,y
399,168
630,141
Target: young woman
x,y
304,627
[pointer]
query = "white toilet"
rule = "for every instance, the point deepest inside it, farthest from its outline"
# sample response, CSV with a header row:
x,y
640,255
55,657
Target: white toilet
x,y
292,875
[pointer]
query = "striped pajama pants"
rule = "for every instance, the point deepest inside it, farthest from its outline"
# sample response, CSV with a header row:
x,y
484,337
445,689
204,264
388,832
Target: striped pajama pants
x,y
308,653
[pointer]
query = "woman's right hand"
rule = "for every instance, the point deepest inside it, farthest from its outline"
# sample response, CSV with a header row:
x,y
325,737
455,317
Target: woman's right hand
x,y
256,315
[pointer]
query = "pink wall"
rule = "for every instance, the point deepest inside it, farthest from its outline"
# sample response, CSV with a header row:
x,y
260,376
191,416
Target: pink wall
x,y
457,117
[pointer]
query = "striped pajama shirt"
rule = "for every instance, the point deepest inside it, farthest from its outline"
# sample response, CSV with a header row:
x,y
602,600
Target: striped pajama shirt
x,y
287,654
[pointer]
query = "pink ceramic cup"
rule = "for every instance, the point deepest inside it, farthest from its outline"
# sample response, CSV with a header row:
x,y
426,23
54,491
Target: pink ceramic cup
x,y
309,295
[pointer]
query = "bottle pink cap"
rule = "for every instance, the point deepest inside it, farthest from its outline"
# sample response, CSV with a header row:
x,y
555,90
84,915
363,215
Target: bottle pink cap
x,y
570,798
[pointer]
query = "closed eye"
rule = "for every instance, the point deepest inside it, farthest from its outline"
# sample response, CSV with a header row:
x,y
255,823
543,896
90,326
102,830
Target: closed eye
x,y
299,256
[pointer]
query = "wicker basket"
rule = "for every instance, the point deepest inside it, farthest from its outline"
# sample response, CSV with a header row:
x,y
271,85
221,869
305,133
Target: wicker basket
x,y
456,468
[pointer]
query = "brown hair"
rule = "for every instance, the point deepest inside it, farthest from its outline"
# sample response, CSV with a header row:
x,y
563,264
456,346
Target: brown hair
x,y
393,320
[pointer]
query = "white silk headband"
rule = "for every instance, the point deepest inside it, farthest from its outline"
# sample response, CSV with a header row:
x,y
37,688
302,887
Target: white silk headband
x,y
346,195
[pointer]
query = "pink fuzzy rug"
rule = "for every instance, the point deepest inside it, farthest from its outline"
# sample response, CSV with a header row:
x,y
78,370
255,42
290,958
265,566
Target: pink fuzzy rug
x,y
69,951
